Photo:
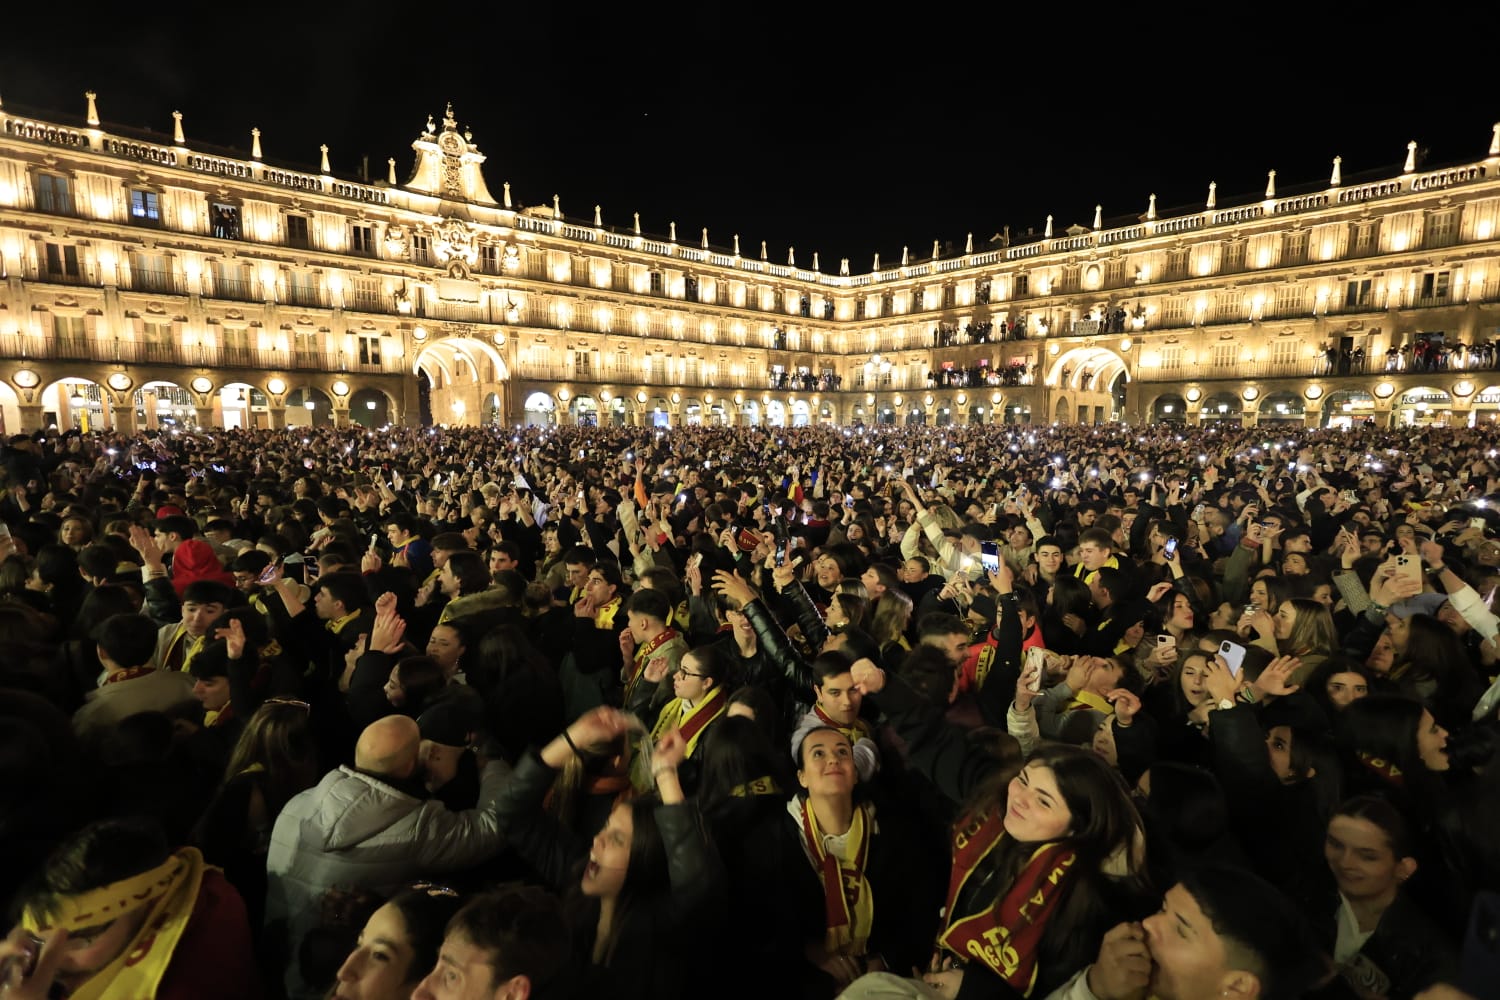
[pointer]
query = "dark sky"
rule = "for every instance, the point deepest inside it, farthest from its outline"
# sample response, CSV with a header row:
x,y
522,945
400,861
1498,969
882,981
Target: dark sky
x,y
788,124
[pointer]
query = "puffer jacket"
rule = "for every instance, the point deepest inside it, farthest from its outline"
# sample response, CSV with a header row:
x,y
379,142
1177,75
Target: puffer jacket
x,y
354,830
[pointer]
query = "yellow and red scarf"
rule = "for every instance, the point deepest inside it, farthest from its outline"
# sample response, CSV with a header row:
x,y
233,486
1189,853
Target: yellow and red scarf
x,y
1386,770
129,673
860,730
169,892
642,657
850,905
1006,934
691,722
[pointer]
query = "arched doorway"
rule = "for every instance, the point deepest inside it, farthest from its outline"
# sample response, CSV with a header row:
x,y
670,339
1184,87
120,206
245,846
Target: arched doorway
x,y
241,404
915,417
370,408
1221,406
1423,406
1284,408
692,411
1347,407
74,404
585,411
309,406
489,410
801,413
1169,408
751,411
775,413
1060,411
160,405
539,410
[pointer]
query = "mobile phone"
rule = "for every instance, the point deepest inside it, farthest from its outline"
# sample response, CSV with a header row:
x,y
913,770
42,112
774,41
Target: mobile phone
x,y
989,556
1234,655
1198,513
1477,522
1170,549
1166,639
1036,657
269,573
21,966
372,542
780,556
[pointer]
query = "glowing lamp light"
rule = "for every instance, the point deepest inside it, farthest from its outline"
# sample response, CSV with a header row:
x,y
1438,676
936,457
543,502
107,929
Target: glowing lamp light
x,y
369,404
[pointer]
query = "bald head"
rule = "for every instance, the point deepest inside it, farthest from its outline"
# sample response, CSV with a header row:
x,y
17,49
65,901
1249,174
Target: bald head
x,y
388,747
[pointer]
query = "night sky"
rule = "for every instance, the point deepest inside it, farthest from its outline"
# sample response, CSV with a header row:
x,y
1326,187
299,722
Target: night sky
x,y
787,125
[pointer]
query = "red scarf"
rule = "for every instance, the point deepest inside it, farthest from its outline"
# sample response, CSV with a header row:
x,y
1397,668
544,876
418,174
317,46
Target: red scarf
x,y
1386,770
129,673
642,655
1006,935
848,901
859,731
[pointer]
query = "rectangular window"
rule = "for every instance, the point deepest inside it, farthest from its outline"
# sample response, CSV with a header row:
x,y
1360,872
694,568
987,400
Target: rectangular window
x,y
982,291
1171,358
1294,248
362,240
582,363
1442,229
1286,351
1289,299
296,231
421,249
226,220
149,272
62,261
1174,311
1435,286
145,207
1114,273
232,281
369,350
1364,237
1023,284
1225,355
656,283
1234,255
54,194
489,258
1357,293
71,335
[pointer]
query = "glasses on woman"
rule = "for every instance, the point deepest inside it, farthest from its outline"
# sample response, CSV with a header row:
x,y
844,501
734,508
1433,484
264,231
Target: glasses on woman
x,y
433,889
685,672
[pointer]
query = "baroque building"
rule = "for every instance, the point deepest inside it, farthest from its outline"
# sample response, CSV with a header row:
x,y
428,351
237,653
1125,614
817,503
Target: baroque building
x,y
153,282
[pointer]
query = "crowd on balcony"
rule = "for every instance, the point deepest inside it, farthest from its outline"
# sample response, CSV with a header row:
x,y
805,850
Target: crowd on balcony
x,y
823,381
1076,712
1431,354
978,375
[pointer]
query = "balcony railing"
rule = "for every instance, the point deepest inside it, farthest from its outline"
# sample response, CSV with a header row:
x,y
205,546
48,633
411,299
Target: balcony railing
x,y
158,282
232,289
306,296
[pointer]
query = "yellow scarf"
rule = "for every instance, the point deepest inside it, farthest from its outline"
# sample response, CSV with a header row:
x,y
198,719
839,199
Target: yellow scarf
x,y
1088,699
336,625
189,645
605,616
692,721
169,891
850,904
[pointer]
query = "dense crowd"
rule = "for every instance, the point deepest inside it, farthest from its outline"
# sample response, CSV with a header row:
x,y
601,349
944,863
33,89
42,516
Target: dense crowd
x,y
1088,713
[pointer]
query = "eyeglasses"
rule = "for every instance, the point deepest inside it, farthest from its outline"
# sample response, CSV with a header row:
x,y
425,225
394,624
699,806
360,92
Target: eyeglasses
x,y
433,889
684,672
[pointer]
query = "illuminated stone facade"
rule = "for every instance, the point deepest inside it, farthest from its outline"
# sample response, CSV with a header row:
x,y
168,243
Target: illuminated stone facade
x,y
153,282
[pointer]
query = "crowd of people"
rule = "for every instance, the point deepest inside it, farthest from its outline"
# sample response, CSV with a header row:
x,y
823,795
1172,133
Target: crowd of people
x,y
1077,712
